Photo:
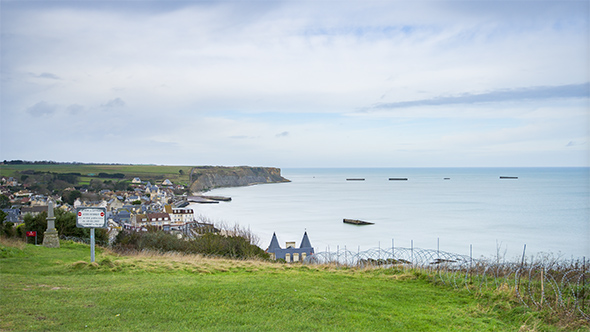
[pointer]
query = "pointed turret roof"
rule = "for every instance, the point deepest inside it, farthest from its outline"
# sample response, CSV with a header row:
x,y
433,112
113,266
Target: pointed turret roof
x,y
305,241
274,243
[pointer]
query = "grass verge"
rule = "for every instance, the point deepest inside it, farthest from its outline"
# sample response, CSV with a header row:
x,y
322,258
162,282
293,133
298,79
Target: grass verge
x,y
45,289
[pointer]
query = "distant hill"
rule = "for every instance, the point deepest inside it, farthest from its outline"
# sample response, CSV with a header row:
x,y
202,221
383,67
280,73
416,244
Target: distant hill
x,y
199,178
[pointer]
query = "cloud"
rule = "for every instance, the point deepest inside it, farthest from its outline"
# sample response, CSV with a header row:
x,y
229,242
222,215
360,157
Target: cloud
x,y
234,73
522,94
574,143
114,103
49,76
42,108
283,134
75,109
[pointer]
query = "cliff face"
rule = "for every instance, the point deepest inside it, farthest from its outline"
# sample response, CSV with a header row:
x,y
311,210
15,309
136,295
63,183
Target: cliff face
x,y
209,177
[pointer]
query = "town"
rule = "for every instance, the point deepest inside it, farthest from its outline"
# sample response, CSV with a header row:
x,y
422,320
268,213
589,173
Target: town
x,y
141,205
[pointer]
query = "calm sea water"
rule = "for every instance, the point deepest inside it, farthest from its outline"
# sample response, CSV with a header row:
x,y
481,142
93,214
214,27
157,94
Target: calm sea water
x,y
548,209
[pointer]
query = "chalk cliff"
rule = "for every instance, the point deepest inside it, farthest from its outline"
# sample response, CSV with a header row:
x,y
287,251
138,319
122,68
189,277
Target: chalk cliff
x,y
209,177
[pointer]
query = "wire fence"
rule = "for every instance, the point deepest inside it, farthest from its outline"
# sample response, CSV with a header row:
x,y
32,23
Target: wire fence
x,y
544,282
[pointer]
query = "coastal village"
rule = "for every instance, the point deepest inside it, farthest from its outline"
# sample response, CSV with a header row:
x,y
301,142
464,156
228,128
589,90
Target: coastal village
x,y
146,205
163,206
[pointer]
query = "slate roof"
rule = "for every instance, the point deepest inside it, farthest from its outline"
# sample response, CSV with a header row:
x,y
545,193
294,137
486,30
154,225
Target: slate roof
x,y
274,243
305,243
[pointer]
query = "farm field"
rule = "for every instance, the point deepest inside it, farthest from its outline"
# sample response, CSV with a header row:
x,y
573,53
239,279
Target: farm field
x,y
46,289
145,172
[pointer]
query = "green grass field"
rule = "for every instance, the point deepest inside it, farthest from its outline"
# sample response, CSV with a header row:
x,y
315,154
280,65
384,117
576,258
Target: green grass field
x,y
58,290
147,172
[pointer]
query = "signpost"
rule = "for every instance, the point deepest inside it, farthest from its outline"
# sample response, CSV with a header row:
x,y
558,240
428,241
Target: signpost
x,y
91,217
31,234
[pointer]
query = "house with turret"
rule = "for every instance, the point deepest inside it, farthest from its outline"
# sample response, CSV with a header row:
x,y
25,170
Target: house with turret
x,y
290,253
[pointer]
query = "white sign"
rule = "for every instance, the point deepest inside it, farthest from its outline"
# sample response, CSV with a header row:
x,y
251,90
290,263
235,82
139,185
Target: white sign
x,y
91,217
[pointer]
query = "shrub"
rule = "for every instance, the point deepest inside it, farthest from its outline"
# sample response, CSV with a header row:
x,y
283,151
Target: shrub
x,y
20,231
228,246
207,244
8,229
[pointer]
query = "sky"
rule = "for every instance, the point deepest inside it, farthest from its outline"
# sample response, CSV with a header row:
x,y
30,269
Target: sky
x,y
297,83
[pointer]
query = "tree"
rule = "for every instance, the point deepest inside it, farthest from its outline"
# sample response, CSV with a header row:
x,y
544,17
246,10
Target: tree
x,y
36,223
4,202
96,185
6,227
65,223
121,185
70,196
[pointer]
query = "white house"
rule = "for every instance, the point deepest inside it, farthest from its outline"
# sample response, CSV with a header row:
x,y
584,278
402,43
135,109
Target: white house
x,y
180,215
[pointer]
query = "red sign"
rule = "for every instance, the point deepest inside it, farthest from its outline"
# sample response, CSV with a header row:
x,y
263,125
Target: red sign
x,y
31,233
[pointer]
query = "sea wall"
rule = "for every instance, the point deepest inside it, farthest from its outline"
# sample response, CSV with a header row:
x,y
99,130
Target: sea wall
x,y
210,177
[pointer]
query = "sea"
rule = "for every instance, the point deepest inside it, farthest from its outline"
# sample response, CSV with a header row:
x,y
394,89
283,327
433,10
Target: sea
x,y
469,211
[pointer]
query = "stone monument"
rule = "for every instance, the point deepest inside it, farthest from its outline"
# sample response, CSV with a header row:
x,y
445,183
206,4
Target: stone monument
x,y
50,237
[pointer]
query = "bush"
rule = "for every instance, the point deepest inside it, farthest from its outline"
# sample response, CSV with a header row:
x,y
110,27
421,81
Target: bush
x,y
8,229
228,246
20,231
207,244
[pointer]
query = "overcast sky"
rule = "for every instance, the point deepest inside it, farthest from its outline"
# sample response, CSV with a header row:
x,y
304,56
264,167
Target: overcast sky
x,y
297,83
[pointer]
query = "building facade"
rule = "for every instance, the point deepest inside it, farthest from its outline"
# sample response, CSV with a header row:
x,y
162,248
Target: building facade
x,y
290,253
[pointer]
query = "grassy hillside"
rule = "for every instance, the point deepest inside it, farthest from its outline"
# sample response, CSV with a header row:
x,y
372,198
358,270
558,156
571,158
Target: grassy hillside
x,y
58,290
145,172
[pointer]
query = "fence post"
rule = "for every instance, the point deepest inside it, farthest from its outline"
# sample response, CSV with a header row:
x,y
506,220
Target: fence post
x,y
517,286
583,282
392,252
412,252
542,283
470,258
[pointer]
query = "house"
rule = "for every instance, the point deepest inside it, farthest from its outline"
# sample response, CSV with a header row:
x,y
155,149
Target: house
x,y
122,216
166,182
290,253
12,215
114,204
133,198
11,182
151,188
33,210
158,219
24,193
38,200
79,203
180,215
136,180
